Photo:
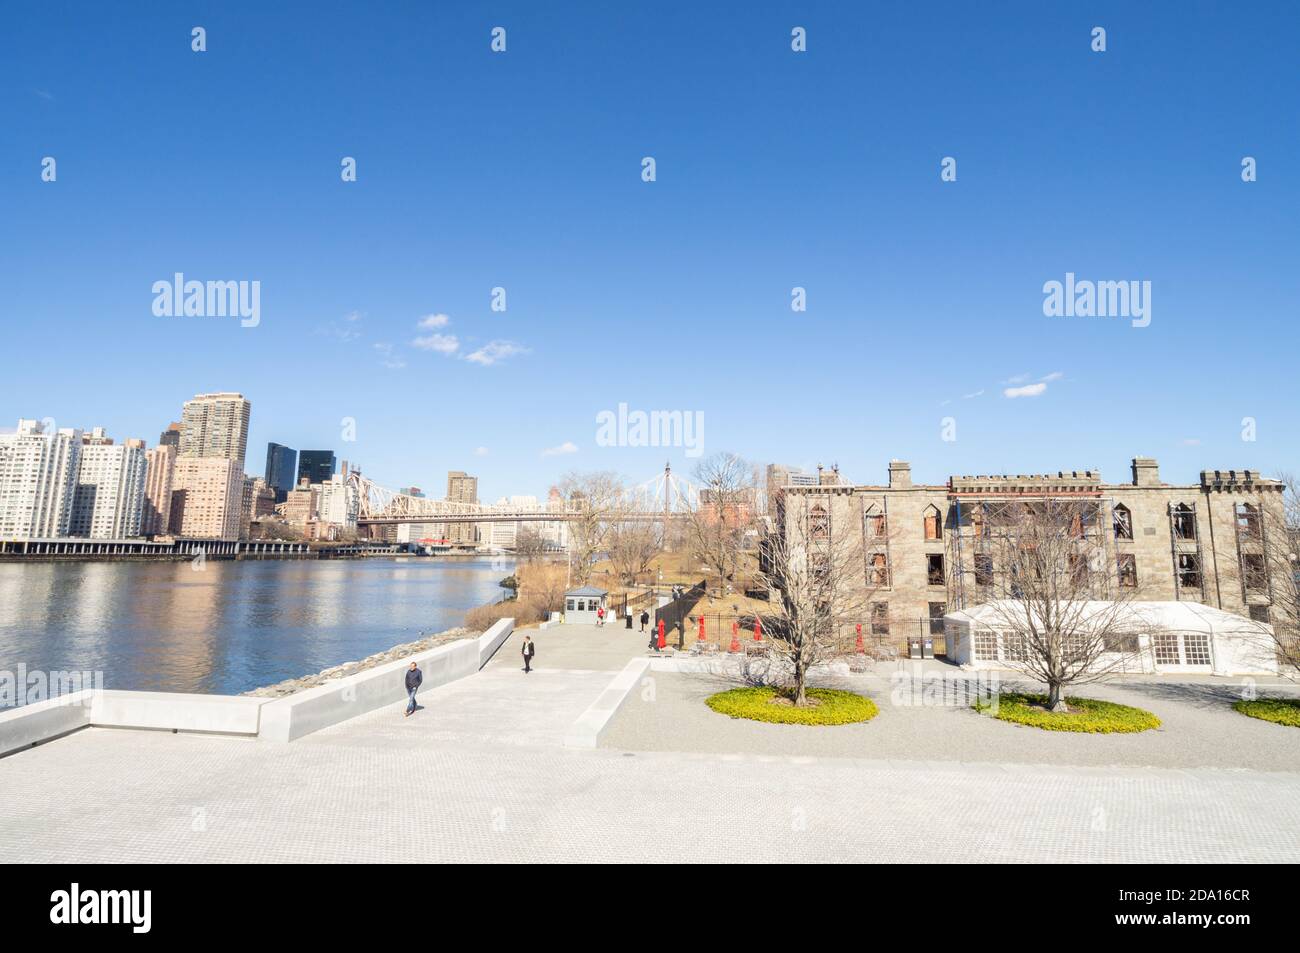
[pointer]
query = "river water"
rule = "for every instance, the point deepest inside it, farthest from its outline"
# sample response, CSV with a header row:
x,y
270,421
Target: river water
x,y
228,626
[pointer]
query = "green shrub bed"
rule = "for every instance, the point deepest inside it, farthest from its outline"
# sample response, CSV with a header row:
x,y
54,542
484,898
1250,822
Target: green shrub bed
x,y
828,706
1087,714
1280,711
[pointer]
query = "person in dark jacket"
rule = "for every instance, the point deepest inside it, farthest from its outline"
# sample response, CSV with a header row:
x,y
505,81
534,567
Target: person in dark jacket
x,y
413,679
529,650
645,619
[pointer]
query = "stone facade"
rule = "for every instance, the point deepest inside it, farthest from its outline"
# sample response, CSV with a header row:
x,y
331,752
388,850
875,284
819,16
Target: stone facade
x,y
924,552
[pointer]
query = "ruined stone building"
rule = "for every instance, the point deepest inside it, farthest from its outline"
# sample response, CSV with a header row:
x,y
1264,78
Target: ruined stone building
x,y
925,549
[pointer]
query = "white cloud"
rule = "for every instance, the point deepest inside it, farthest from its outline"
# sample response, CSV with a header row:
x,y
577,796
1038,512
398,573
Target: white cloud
x,y
1029,390
567,447
387,357
431,321
344,329
495,351
978,393
1018,379
1054,376
442,343
480,451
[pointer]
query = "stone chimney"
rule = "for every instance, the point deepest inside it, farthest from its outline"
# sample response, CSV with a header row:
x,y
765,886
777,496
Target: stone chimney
x,y
900,475
1146,472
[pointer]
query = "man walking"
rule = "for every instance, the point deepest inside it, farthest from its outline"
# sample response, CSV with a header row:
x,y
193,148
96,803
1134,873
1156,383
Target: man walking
x,y
413,679
645,618
529,650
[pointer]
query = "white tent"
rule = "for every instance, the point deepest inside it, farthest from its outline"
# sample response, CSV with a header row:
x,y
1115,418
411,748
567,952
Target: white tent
x,y
1185,637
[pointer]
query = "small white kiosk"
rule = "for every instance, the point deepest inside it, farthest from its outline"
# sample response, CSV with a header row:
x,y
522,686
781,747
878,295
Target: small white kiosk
x,y
581,605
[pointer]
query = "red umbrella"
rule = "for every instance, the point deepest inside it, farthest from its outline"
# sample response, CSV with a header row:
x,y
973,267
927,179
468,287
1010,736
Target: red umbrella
x,y
701,628
758,629
662,640
735,638
861,647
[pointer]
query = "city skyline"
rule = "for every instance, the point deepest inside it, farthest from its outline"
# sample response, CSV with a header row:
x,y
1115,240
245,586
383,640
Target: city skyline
x,y
925,297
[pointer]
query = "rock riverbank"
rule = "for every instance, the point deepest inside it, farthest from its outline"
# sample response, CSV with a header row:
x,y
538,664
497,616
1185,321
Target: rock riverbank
x,y
292,685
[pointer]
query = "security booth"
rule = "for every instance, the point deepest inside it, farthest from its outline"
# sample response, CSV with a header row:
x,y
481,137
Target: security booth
x,y
581,605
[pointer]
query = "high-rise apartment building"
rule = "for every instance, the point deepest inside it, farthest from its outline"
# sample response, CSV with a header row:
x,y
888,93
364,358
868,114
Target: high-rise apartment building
x,y
171,437
315,466
110,494
215,425
38,481
160,463
462,488
207,498
338,502
300,505
281,469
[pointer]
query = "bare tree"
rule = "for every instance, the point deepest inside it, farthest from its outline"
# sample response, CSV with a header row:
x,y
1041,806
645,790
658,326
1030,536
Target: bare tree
x,y
816,564
595,500
724,515
632,546
530,545
1063,617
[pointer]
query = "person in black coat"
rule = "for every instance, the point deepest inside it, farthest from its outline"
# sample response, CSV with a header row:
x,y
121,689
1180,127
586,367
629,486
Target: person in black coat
x,y
413,679
645,618
529,650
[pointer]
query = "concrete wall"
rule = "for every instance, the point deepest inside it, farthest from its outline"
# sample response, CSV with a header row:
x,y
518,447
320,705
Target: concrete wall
x,y
493,638
174,711
30,725
282,719
586,731
289,718
177,711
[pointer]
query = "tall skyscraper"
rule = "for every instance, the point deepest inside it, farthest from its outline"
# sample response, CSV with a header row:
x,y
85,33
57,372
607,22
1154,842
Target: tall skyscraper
x,y
315,466
38,481
462,488
110,495
171,437
160,463
215,425
281,467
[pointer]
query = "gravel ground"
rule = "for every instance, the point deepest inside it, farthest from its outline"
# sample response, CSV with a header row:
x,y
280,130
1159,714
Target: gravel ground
x,y
1199,728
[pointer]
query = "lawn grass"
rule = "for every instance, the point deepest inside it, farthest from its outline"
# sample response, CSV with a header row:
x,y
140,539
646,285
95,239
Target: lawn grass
x,y
1087,715
832,706
1280,711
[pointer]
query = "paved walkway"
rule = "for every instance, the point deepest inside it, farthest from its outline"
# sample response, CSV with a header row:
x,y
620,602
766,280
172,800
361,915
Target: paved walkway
x,y
479,775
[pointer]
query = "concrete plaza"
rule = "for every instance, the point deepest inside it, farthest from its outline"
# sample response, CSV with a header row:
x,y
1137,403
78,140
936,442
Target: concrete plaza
x,y
480,774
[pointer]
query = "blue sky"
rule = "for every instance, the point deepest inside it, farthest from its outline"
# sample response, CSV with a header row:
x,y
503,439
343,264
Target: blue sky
x,y
775,169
